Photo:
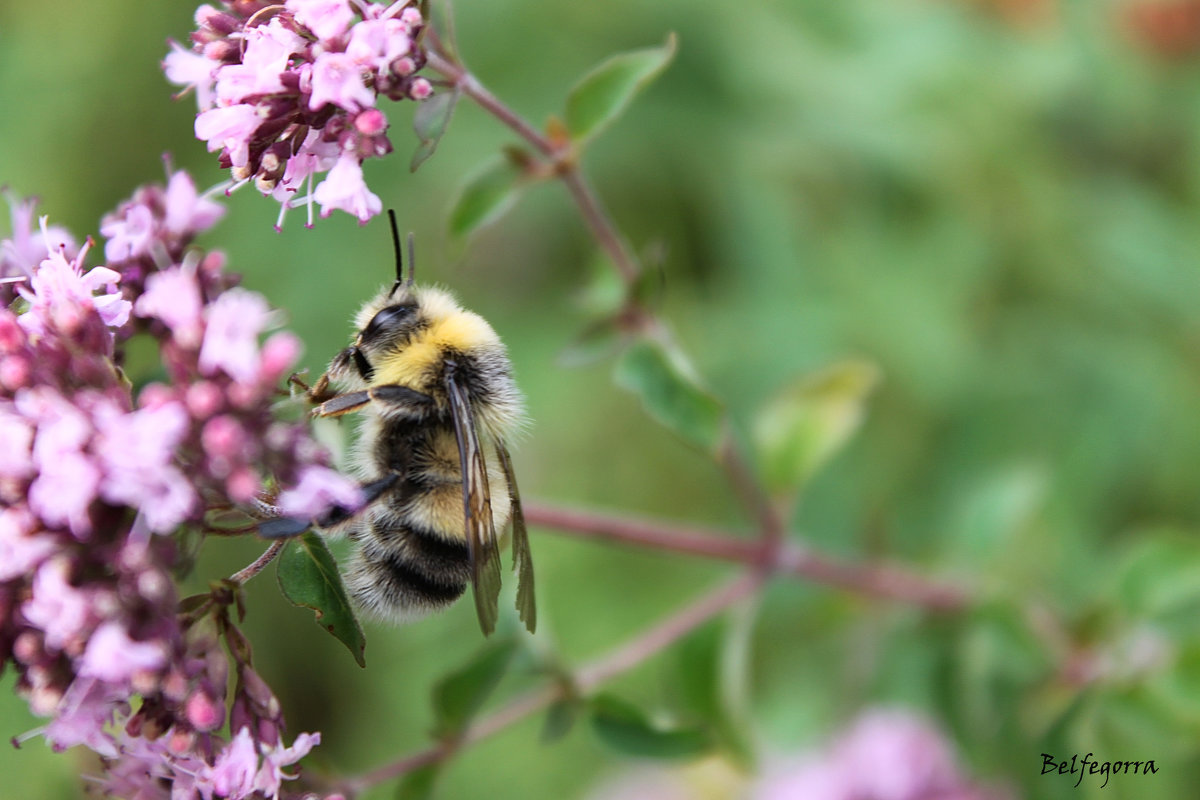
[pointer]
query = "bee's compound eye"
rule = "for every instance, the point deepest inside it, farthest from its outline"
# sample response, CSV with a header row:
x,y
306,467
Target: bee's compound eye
x,y
389,320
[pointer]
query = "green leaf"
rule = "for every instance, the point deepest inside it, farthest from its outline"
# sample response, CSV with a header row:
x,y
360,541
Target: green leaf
x,y
626,729
711,680
596,342
560,718
430,122
486,195
231,519
671,393
418,784
459,696
991,512
601,95
810,421
602,293
999,663
1160,576
194,602
308,577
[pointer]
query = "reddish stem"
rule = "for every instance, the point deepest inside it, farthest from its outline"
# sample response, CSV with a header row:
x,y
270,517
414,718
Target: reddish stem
x,y
881,581
587,678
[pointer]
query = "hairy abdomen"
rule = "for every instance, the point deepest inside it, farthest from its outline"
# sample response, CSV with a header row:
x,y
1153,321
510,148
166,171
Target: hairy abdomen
x,y
403,572
412,556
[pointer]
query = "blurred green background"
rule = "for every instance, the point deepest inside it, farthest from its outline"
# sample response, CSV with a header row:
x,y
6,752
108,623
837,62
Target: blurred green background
x,y
996,202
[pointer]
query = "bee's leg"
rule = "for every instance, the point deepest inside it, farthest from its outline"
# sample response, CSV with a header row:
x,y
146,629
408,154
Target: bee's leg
x,y
285,527
340,404
394,401
319,392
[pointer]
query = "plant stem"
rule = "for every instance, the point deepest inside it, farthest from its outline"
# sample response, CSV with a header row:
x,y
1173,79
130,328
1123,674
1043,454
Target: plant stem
x,y
755,500
600,224
564,159
587,678
259,564
469,85
669,630
880,581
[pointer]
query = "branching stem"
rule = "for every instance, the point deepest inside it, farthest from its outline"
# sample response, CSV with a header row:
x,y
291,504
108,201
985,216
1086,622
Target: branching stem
x,y
768,555
563,158
259,564
586,678
878,581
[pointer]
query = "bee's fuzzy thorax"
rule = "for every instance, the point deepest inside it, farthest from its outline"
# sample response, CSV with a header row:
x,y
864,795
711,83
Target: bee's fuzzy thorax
x,y
446,328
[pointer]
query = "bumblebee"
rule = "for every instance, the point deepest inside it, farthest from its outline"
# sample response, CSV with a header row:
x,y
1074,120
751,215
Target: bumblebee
x,y
434,388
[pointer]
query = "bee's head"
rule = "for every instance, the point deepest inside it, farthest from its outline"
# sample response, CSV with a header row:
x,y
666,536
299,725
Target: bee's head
x,y
390,320
396,314
406,331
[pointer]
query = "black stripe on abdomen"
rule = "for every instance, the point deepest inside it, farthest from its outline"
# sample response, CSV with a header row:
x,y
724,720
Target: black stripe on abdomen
x,y
404,573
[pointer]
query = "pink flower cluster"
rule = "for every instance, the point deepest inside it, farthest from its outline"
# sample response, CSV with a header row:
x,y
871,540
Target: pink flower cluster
x,y
886,754
287,91
152,230
220,376
20,254
88,477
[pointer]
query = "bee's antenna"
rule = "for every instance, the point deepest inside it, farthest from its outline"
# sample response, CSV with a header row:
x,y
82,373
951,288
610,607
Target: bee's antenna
x,y
396,249
412,258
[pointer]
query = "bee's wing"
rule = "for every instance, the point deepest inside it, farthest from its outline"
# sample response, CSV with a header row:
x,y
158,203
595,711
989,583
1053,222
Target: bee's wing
x,y
477,506
522,560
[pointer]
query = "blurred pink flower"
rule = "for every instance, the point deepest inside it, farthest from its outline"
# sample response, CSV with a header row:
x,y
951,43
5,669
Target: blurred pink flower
x,y
63,491
318,490
21,548
234,322
337,78
229,128
137,451
112,656
173,296
143,765
235,769
60,295
67,480
345,189
886,754
130,235
328,19
28,245
62,612
83,714
376,43
192,71
188,212
264,59
16,444
896,756
271,775
203,712
279,354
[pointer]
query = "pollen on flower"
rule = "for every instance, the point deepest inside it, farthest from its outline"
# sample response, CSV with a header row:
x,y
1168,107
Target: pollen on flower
x,y
281,96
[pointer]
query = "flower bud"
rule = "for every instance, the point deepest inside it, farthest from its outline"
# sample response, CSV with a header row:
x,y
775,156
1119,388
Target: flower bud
x,y
203,712
420,89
